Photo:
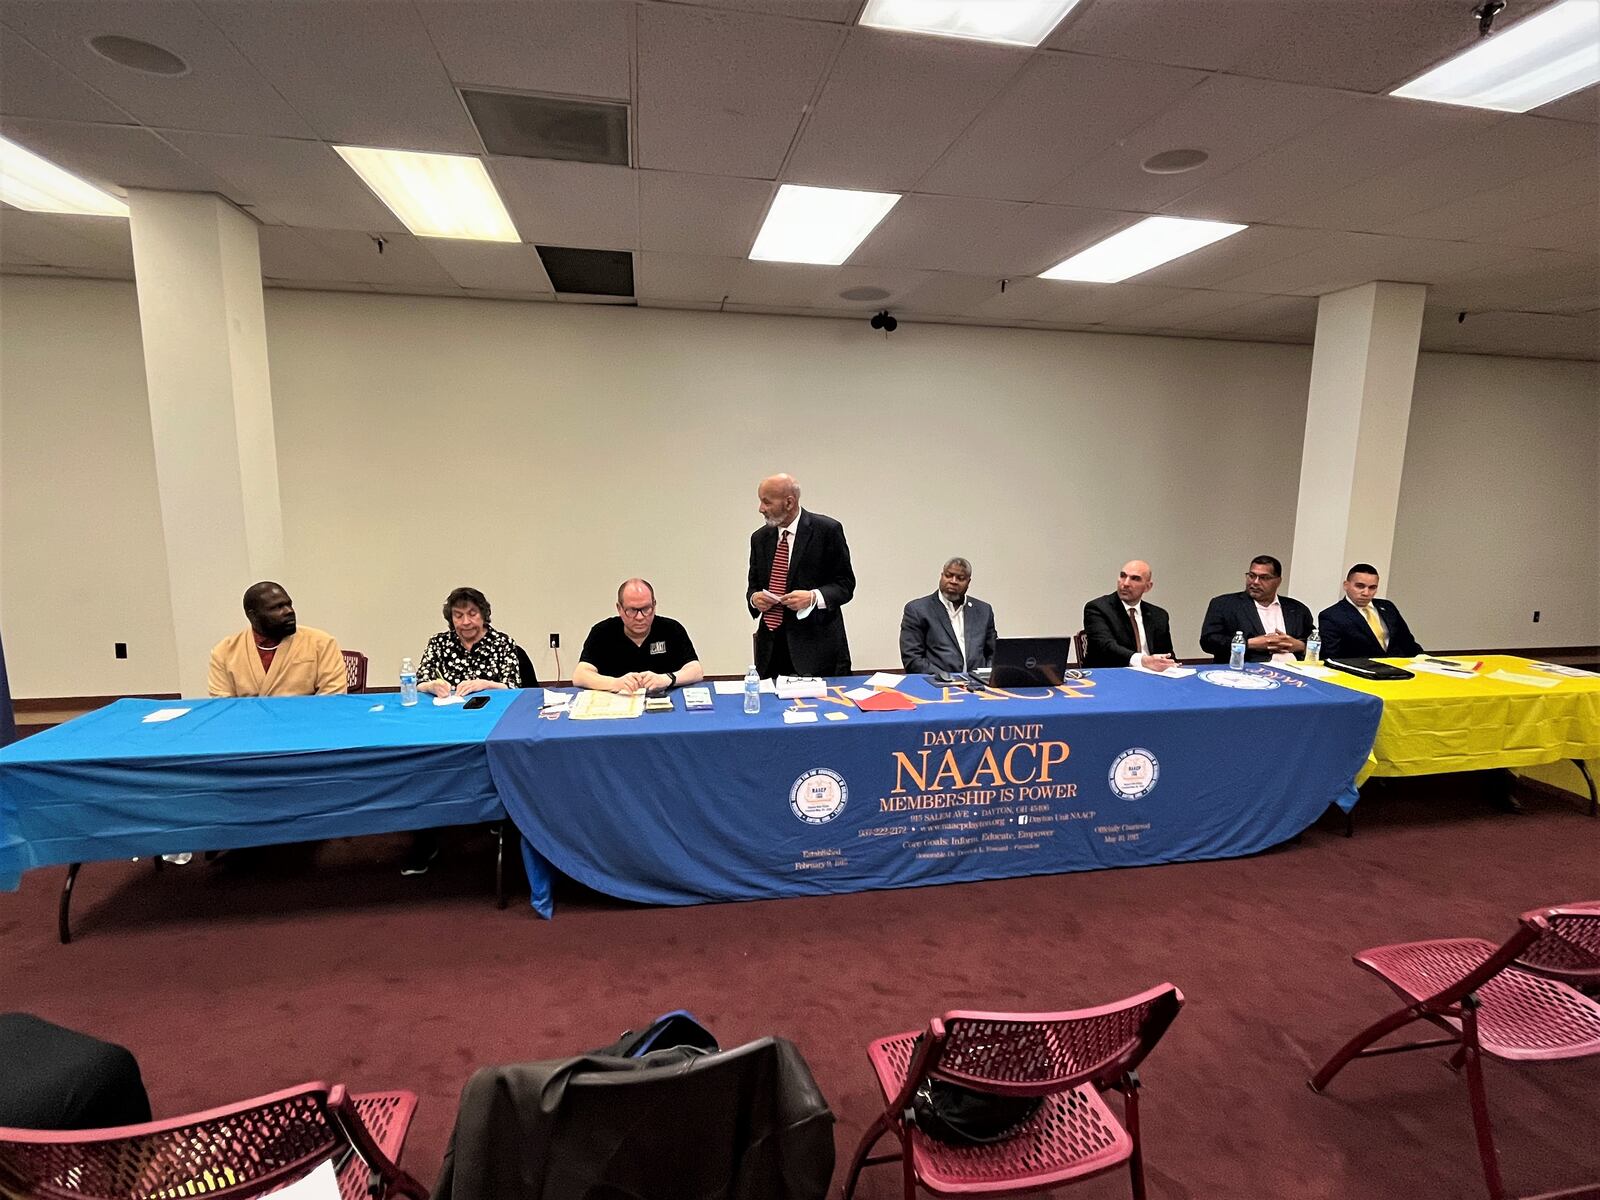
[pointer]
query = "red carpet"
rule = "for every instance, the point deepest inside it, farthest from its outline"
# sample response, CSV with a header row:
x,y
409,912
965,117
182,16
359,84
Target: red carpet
x,y
321,962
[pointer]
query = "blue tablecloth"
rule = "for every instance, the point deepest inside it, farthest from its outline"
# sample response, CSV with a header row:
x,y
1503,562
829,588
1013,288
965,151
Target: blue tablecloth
x,y
241,772
1120,769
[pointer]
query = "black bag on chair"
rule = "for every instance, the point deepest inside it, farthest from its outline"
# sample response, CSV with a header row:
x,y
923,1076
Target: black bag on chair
x,y
669,1031
960,1116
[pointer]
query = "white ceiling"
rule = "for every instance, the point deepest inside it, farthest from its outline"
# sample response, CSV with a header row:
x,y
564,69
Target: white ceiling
x,y
1010,159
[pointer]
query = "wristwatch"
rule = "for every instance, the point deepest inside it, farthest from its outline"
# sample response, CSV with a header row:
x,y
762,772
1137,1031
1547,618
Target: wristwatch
x,y
672,679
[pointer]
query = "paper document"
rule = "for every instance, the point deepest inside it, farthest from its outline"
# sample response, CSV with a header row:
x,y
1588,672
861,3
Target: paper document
x,y
554,699
835,716
735,687
799,716
441,701
1169,673
1538,681
605,706
1309,670
859,693
885,680
163,714
1450,670
321,1184
800,687
1563,669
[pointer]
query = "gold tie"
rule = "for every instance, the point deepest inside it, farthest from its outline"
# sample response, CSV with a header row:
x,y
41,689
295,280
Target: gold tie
x,y
1378,632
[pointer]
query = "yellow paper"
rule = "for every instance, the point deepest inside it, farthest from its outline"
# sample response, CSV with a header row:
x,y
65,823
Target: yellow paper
x,y
605,706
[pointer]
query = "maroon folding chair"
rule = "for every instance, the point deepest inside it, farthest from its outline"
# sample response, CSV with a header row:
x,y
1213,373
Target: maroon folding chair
x,y
1485,1003
1067,1059
1570,952
1080,646
355,670
247,1149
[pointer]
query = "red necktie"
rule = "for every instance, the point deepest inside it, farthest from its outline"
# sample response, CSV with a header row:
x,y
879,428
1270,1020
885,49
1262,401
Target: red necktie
x,y
778,585
1138,638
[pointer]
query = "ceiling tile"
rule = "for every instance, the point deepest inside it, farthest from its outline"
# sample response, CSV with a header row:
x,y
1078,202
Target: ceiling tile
x,y
289,182
1529,279
1580,106
945,293
100,245
1193,306
841,12
1576,229
700,214
1233,120
491,266
114,156
359,71
892,105
1533,196
1362,140
588,205
1062,111
1512,333
981,237
550,46
34,85
1105,303
350,256
1276,316
740,118
220,91
1250,249
1510,149
1159,31
1347,259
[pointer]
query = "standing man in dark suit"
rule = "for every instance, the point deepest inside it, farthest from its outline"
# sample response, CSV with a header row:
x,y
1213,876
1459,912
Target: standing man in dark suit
x,y
949,630
1122,630
1275,627
1361,625
800,580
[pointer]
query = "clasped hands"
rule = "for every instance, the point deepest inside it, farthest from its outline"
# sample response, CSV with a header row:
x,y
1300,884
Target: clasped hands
x,y
640,681
1277,643
796,601
1157,662
438,687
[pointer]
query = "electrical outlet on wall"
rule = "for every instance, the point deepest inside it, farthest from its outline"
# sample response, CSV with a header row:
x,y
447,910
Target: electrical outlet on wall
x,y
555,639
1536,616
120,649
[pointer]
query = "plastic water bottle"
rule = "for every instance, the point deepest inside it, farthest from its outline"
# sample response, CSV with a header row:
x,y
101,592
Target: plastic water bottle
x,y
408,683
1314,646
1236,651
752,690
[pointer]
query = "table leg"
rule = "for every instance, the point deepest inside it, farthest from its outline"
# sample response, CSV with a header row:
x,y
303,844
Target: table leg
x,y
500,864
1594,800
63,920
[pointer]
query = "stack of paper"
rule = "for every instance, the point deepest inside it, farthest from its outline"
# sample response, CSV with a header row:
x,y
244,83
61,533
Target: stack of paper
x,y
800,687
1563,669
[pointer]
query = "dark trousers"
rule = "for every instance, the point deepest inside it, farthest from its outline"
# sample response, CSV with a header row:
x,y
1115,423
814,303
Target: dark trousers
x,y
54,1078
779,662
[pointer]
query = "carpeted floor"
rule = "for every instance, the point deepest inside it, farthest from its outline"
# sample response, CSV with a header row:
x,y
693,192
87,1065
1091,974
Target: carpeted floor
x,y
321,962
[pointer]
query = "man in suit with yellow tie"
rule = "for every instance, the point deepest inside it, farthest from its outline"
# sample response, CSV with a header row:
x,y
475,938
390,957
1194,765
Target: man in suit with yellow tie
x,y
1361,625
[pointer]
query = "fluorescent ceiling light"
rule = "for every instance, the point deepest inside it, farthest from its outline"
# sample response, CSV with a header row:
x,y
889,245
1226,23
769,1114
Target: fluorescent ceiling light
x,y
1539,59
1150,243
819,225
1009,22
38,185
436,195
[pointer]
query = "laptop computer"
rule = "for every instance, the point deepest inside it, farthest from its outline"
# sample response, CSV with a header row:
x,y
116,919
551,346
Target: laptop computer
x,y
1025,661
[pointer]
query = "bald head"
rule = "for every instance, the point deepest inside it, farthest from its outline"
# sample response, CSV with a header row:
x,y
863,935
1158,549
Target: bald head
x,y
778,499
1133,581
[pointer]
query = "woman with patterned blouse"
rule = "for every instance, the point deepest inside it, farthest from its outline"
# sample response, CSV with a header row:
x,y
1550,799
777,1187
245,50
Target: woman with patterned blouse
x,y
471,655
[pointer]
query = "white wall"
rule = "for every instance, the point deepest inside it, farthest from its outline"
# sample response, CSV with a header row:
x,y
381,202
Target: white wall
x,y
544,452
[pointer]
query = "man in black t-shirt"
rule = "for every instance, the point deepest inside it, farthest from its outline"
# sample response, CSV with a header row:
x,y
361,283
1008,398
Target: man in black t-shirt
x,y
637,650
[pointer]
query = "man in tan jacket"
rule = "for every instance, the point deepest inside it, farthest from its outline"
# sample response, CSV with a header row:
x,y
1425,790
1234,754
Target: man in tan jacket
x,y
275,657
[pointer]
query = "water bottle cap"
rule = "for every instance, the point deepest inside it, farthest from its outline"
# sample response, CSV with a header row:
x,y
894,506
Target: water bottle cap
x,y
405,664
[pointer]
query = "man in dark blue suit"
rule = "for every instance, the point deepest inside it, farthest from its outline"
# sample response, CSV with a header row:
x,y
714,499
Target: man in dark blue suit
x,y
1361,625
949,630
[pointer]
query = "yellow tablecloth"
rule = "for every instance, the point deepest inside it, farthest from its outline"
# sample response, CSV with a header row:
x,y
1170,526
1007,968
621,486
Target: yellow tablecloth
x,y
1432,724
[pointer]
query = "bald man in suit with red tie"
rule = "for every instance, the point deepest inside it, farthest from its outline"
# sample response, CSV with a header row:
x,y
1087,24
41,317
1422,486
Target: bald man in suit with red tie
x,y
800,580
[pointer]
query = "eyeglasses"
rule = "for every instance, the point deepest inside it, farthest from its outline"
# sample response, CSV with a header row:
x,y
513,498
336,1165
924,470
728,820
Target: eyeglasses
x,y
642,611
1257,577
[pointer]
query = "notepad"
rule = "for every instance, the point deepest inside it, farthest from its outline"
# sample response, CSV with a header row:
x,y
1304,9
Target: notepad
x,y
799,716
163,714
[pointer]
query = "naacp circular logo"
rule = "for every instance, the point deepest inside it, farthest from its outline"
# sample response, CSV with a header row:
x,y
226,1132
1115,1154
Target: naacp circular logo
x,y
1134,773
1245,681
818,796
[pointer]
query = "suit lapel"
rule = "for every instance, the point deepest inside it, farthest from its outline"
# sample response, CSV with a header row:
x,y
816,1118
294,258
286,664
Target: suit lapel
x,y
802,534
1252,616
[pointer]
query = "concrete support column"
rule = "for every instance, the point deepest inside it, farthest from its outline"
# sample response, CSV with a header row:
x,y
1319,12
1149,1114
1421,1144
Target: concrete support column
x,y
1362,371
197,266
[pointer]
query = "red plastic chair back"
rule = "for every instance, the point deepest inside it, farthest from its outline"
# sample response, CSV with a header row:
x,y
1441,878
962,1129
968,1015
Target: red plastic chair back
x,y
355,670
1570,949
1035,1054
247,1149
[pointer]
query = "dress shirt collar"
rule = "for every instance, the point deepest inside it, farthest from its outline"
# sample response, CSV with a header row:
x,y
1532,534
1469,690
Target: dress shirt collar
x,y
950,608
792,528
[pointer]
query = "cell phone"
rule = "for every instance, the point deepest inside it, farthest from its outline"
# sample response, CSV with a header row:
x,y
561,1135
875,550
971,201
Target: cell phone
x,y
478,701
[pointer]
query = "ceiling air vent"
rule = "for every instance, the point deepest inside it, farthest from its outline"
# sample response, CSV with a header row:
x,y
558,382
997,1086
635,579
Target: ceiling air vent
x,y
588,272
593,131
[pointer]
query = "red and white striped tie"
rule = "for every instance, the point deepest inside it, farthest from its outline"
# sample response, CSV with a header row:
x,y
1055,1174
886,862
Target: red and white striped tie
x,y
778,585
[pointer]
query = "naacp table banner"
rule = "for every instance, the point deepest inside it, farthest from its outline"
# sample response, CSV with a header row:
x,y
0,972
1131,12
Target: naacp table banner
x,y
1118,769
145,777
